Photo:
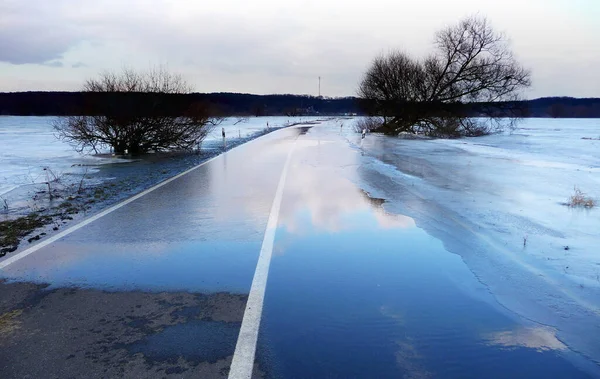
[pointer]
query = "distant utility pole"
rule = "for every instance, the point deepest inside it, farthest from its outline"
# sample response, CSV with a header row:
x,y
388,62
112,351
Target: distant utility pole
x,y
319,86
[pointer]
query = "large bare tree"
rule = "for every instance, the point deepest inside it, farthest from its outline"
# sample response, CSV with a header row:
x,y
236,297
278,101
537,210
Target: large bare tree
x,y
136,112
471,73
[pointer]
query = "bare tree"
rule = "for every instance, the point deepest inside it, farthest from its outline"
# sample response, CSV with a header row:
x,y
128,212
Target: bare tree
x,y
471,73
136,112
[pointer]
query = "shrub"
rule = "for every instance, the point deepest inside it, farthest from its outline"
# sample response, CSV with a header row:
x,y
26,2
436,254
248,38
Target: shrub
x,y
137,112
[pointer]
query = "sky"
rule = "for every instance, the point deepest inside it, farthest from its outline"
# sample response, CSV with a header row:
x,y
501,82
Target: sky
x,y
281,46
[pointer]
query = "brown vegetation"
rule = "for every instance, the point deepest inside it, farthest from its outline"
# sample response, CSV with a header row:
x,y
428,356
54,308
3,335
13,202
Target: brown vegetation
x,y
580,199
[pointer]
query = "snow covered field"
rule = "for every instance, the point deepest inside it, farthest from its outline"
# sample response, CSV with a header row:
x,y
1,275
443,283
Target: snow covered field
x,y
499,202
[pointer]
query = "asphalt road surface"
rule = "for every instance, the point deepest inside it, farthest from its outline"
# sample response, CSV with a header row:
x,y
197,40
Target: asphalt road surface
x,y
267,261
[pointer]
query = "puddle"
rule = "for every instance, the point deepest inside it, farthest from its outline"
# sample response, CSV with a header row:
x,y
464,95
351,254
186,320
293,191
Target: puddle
x,y
195,341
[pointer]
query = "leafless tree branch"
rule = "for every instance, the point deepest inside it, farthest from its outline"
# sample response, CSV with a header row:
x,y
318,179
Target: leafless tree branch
x,y
472,64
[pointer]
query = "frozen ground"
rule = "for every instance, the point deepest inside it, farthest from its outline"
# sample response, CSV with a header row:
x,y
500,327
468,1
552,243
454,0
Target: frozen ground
x,y
499,202
30,154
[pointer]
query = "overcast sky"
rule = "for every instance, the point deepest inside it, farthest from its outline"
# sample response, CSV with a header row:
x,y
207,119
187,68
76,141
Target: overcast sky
x,y
281,46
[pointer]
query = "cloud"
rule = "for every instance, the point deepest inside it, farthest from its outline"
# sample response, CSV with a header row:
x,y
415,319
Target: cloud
x,y
78,65
53,64
267,46
212,40
28,47
28,34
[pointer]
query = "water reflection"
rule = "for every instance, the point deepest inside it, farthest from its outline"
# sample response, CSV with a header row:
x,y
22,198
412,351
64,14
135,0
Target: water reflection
x,y
538,338
322,187
359,292
410,360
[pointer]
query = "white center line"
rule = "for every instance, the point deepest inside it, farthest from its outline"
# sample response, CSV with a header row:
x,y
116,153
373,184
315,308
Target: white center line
x,y
245,349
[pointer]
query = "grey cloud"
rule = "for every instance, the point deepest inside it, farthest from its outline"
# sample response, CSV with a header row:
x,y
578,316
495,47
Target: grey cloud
x,y
78,65
28,34
38,32
280,47
269,39
53,64
26,46
235,46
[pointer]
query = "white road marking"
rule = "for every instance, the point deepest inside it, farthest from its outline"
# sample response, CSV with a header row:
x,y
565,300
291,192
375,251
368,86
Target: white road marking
x,y
245,348
87,221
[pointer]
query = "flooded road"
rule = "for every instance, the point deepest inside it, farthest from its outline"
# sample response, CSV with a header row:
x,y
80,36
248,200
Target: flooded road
x,y
160,286
355,292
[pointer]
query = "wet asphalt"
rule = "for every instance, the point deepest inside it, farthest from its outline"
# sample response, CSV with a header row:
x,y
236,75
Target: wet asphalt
x,y
158,287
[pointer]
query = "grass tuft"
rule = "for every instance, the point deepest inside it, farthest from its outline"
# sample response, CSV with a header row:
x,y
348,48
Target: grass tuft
x,y
580,199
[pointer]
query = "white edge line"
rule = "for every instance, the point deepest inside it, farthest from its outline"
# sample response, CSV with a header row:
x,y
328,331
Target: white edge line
x,y
245,348
54,238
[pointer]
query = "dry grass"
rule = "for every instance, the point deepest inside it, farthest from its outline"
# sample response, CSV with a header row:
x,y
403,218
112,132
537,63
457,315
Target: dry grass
x,y
8,324
14,230
580,199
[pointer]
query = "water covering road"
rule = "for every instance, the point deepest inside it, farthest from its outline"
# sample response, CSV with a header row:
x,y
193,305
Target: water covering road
x,y
158,287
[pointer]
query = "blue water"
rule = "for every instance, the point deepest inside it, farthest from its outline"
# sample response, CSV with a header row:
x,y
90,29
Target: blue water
x,y
354,292
372,303
207,267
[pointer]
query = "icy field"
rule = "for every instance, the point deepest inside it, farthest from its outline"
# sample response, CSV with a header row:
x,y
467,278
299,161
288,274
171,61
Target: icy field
x,y
499,202
28,145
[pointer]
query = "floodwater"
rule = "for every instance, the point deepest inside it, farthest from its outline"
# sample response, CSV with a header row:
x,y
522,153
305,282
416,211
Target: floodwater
x,y
371,276
356,292
28,145
201,233
499,202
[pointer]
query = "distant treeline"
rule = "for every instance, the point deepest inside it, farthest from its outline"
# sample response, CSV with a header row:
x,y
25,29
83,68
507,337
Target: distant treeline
x,y
563,107
224,104
237,104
